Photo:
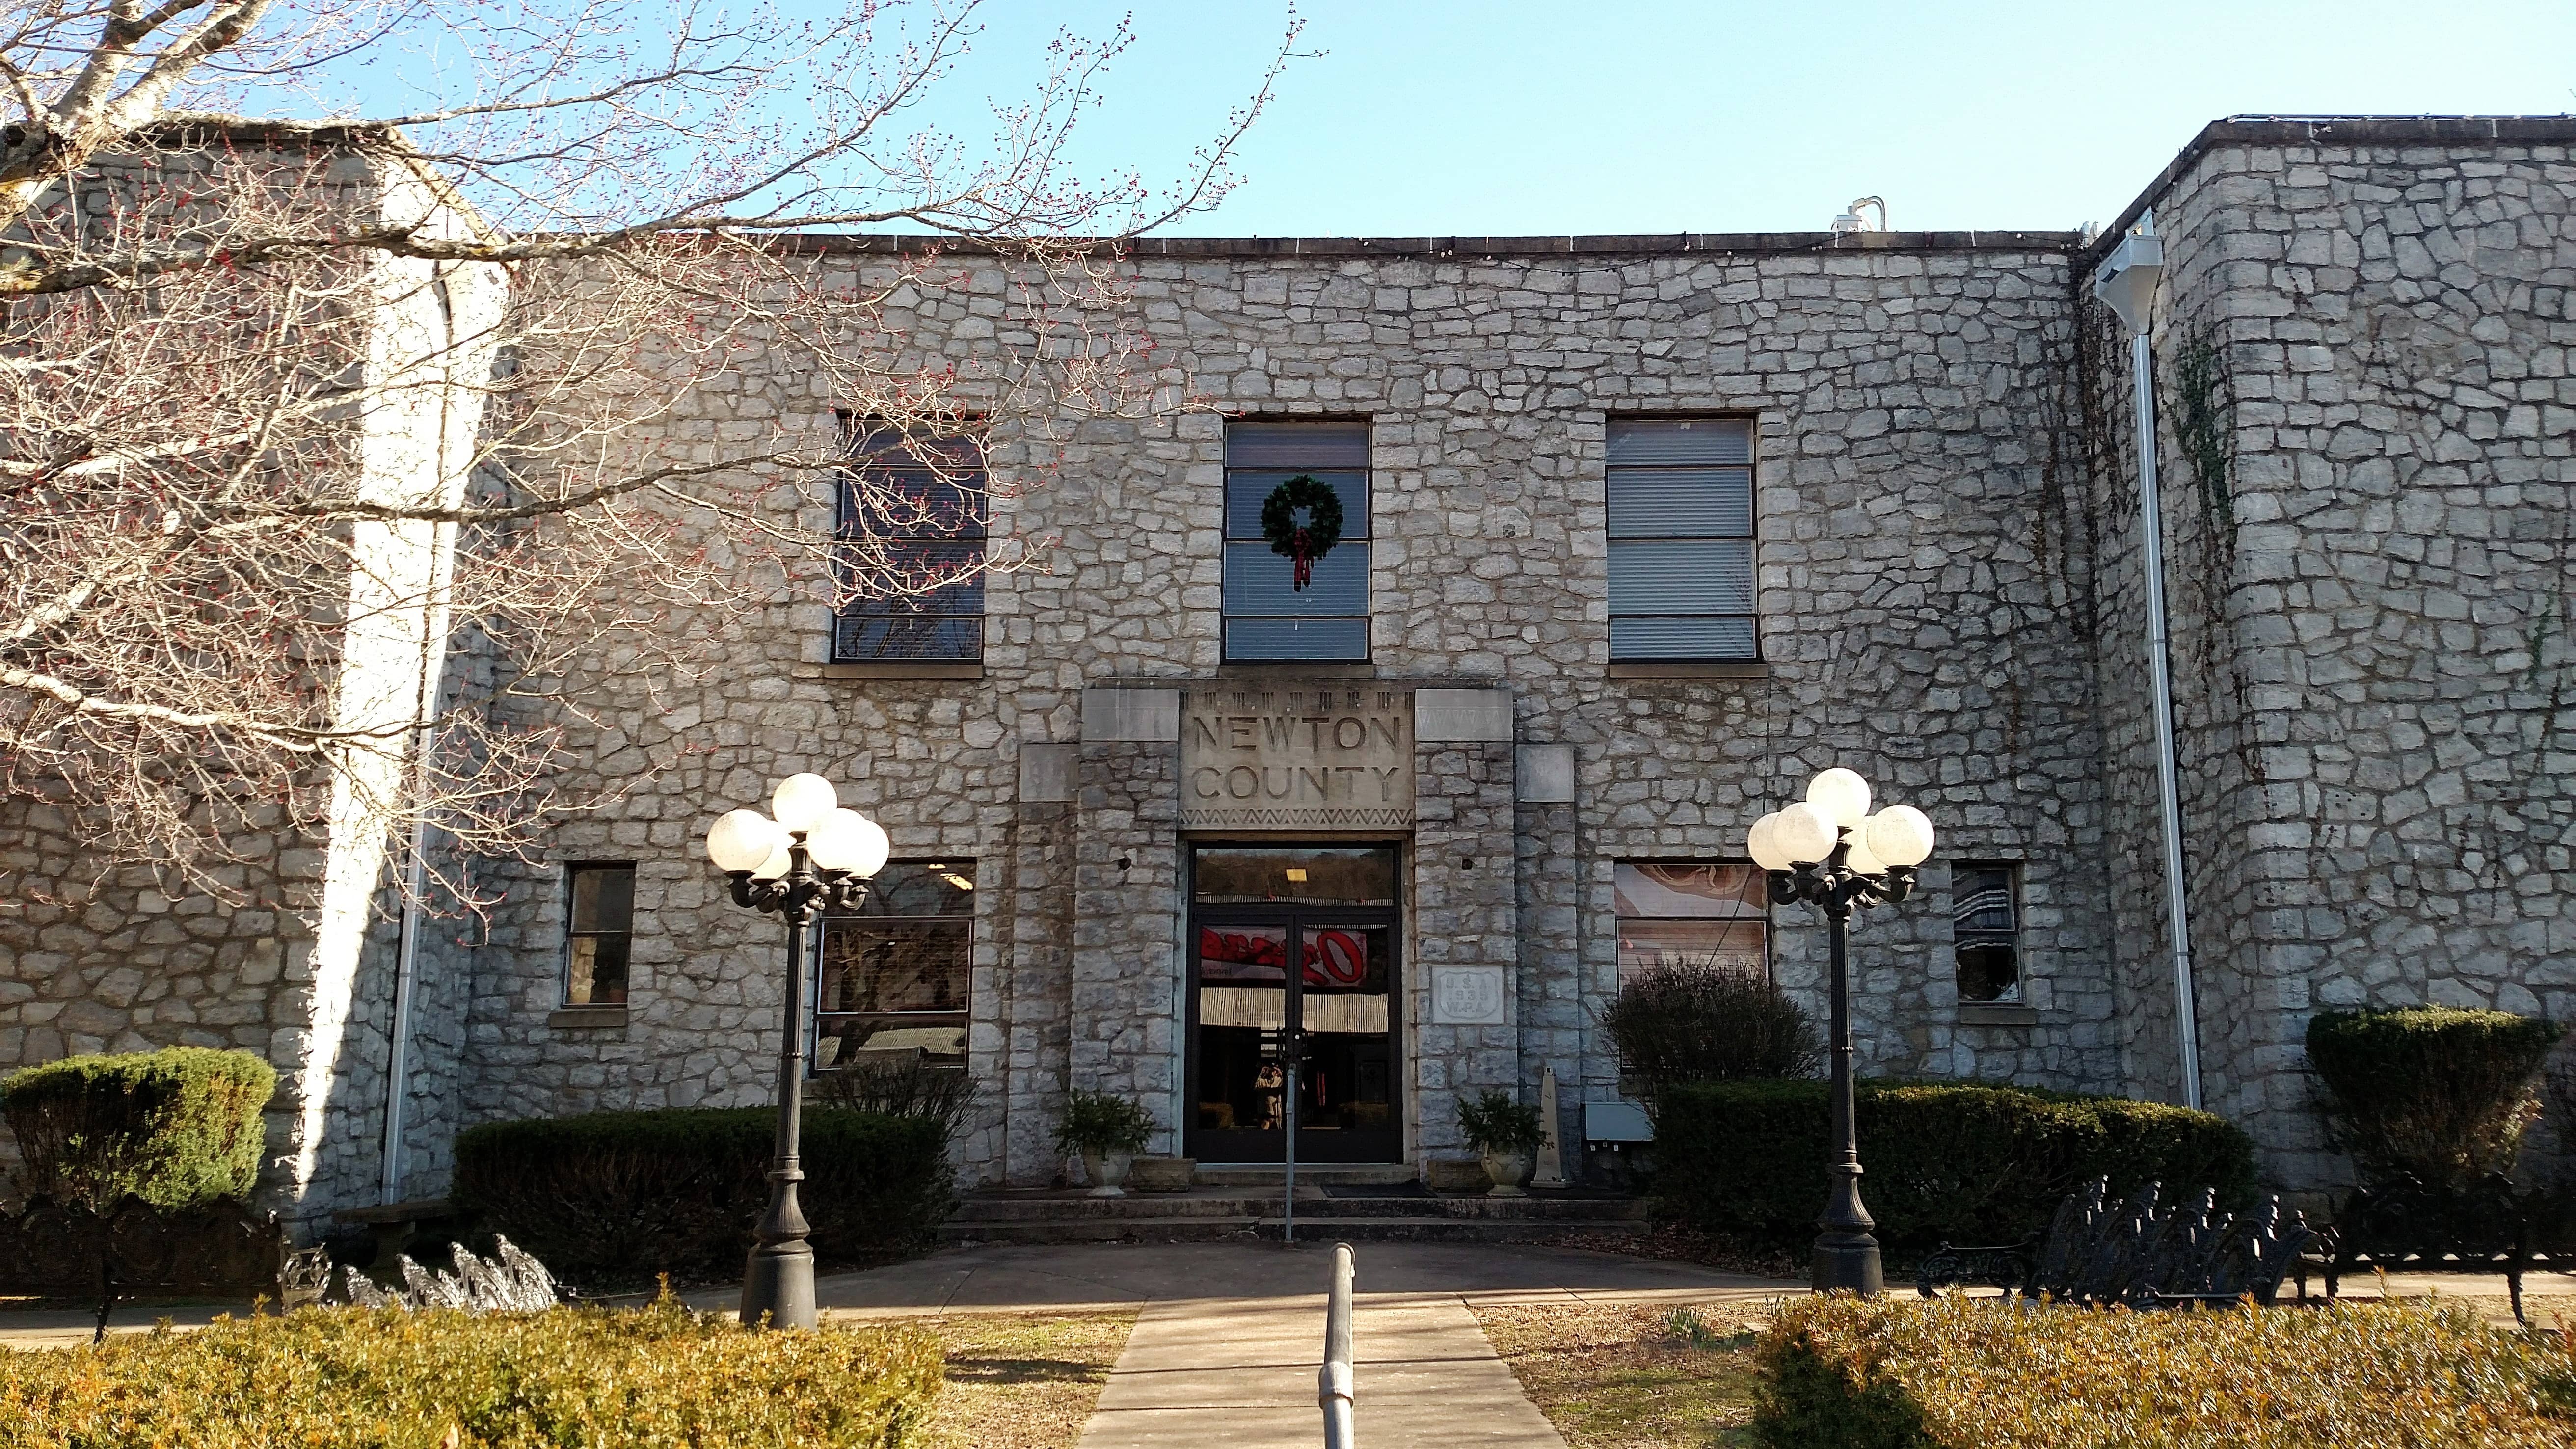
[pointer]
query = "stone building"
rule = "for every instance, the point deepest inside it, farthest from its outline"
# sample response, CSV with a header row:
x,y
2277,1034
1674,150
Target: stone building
x,y
1636,533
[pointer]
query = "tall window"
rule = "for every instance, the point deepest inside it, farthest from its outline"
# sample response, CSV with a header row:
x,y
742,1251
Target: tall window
x,y
599,934
1985,931
892,985
1270,613
1692,915
1681,539
912,515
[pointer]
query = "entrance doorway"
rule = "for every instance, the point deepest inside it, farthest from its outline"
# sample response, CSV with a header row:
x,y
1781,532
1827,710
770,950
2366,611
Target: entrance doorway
x,y
1331,910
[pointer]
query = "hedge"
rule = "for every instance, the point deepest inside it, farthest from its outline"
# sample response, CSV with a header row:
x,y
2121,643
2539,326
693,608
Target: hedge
x,y
1965,1164
1959,1372
579,1378
178,1128
619,1197
2432,1092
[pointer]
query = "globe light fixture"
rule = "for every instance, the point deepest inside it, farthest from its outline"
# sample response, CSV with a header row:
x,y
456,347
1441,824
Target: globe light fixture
x,y
1832,852
813,857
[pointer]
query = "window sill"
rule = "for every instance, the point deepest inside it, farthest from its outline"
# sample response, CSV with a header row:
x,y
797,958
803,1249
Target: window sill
x,y
1997,1013
906,669
1693,669
1238,668
586,1018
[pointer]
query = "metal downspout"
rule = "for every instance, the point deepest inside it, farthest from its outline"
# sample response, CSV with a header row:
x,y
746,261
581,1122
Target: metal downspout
x,y
433,669
2126,281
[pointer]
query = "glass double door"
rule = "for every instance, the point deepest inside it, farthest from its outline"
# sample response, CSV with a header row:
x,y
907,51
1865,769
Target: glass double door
x,y
1269,975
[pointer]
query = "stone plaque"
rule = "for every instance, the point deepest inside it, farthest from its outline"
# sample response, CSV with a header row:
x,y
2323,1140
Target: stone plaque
x,y
1308,757
1467,995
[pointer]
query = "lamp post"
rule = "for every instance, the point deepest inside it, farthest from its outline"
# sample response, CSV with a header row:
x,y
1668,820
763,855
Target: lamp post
x,y
815,856
1833,853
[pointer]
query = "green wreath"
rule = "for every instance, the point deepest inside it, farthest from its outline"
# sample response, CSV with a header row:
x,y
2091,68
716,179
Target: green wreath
x,y
1323,526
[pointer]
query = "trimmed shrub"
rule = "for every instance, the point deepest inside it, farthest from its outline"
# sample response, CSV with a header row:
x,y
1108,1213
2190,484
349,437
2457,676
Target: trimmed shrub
x,y
1965,1164
591,1377
2430,1092
1958,1372
178,1128
619,1197
1683,1021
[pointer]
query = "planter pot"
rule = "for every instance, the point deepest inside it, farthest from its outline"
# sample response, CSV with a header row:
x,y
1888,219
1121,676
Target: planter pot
x,y
1106,1170
1509,1170
1455,1175
1162,1174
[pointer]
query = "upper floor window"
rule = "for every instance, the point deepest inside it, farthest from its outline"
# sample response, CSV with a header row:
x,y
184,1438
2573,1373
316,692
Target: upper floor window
x,y
910,562
1681,539
1985,931
1716,915
893,980
1294,589
599,934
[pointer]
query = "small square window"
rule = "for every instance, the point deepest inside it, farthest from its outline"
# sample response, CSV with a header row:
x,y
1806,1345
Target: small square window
x,y
1985,931
1693,915
893,978
599,934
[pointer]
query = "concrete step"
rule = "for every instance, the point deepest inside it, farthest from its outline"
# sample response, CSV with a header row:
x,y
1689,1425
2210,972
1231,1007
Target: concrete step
x,y
1309,1229
1176,1207
1271,1174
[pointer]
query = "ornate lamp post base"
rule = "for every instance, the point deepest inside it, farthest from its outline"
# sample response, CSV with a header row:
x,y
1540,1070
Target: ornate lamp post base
x,y
778,1285
1847,1263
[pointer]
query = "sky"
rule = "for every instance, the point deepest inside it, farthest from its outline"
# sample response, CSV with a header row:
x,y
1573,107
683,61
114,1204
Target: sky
x,y
1444,117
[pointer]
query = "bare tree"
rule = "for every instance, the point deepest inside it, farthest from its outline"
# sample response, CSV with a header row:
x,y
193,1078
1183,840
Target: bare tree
x,y
326,435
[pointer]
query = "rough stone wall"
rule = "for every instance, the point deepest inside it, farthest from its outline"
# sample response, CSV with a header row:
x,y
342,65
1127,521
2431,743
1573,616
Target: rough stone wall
x,y
1125,1008
2369,576
1553,1012
1917,619
1918,624
1465,912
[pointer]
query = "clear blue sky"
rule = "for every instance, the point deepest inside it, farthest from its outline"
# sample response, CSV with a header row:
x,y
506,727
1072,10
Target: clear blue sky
x,y
1547,116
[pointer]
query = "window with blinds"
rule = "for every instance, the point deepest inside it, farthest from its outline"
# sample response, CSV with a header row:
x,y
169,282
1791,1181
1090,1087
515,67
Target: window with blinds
x,y
1266,615
911,534
1681,539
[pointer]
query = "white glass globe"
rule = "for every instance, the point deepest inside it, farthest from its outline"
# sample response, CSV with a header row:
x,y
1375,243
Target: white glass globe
x,y
849,842
801,801
872,855
742,839
1762,842
1901,835
777,864
837,840
1805,833
1843,794
1857,854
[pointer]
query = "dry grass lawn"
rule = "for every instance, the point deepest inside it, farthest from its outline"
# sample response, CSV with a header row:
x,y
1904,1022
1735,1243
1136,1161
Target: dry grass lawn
x,y
1615,1378
1022,1381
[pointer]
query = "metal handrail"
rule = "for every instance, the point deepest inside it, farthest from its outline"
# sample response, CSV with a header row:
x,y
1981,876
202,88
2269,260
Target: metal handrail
x,y
1333,1385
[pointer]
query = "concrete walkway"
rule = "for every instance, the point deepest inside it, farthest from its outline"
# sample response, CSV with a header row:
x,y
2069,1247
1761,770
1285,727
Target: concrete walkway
x,y
1229,1335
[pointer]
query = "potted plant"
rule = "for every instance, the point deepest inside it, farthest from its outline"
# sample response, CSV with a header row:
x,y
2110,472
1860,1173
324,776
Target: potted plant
x,y
1507,1135
1106,1132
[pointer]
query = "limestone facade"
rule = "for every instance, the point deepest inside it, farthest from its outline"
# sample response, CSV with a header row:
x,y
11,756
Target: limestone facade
x,y
2370,595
